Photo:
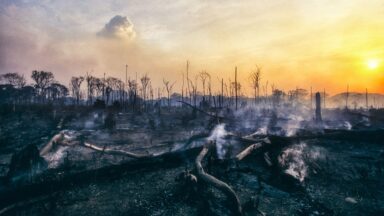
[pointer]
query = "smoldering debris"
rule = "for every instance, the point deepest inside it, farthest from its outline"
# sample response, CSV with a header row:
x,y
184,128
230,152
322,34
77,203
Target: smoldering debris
x,y
217,135
295,159
56,158
288,155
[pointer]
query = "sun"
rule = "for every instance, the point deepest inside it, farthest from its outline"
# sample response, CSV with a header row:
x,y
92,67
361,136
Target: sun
x,y
372,63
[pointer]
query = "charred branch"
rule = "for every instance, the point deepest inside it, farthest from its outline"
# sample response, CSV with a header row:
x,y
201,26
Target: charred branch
x,y
211,180
116,151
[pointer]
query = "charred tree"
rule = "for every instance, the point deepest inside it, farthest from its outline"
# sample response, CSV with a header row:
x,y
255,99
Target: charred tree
x,y
318,107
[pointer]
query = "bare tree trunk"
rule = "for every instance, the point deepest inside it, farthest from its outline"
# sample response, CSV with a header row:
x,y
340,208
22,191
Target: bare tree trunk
x,y
236,86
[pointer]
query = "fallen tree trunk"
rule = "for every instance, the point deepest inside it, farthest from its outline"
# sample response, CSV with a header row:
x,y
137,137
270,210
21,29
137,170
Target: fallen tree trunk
x,y
116,151
250,149
222,186
57,139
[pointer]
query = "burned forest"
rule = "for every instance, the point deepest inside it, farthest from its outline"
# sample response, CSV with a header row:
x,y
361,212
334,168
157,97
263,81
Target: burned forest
x,y
191,108
117,149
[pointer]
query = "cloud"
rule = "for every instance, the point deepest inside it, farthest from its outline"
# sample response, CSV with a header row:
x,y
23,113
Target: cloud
x,y
118,27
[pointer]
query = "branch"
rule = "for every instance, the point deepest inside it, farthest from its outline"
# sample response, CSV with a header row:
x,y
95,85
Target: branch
x,y
116,151
250,149
222,186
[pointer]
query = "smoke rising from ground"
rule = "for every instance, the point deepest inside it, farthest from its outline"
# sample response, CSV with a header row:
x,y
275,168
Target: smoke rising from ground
x,y
217,135
295,159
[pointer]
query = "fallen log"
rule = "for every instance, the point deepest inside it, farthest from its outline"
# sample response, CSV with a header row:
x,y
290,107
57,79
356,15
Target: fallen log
x,y
57,139
250,149
116,151
222,186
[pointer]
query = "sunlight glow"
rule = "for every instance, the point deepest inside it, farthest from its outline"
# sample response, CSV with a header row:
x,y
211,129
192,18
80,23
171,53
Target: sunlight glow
x,y
372,64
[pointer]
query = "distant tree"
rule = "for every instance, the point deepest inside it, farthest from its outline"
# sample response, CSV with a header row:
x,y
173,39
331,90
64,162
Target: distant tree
x,y
168,88
132,89
14,79
89,80
298,94
277,96
75,85
204,76
151,92
255,78
236,86
99,86
57,92
113,84
144,84
193,90
109,86
43,80
120,88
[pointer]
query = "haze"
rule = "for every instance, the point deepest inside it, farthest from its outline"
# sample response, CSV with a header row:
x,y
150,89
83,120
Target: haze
x,y
323,44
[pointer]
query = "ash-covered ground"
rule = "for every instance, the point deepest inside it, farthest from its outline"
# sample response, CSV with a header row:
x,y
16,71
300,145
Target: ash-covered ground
x,y
332,167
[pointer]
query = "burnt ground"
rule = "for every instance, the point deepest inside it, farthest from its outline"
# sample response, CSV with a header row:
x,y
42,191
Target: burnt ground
x,y
340,175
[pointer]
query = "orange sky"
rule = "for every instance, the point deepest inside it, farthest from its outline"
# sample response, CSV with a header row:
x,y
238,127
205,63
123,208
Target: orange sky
x,y
299,43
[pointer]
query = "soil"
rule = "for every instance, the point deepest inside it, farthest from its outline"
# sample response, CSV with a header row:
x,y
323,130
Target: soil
x,y
335,176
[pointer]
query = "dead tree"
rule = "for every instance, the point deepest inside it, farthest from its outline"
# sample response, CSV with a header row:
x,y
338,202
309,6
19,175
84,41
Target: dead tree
x,y
203,75
318,107
75,85
189,91
182,88
88,79
99,86
132,89
193,91
168,88
255,78
145,80
236,86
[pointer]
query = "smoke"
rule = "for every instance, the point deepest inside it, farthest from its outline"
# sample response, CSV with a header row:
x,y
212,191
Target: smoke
x,y
285,120
341,125
118,27
217,135
347,125
56,158
295,159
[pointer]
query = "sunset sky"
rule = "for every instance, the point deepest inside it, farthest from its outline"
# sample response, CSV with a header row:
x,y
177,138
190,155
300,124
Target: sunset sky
x,y
297,43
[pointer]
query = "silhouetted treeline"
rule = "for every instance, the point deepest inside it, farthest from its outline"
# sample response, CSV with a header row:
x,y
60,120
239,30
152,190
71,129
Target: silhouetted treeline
x,y
134,94
140,95
14,89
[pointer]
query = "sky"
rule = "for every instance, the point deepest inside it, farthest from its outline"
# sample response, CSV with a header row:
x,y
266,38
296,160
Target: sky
x,y
323,44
